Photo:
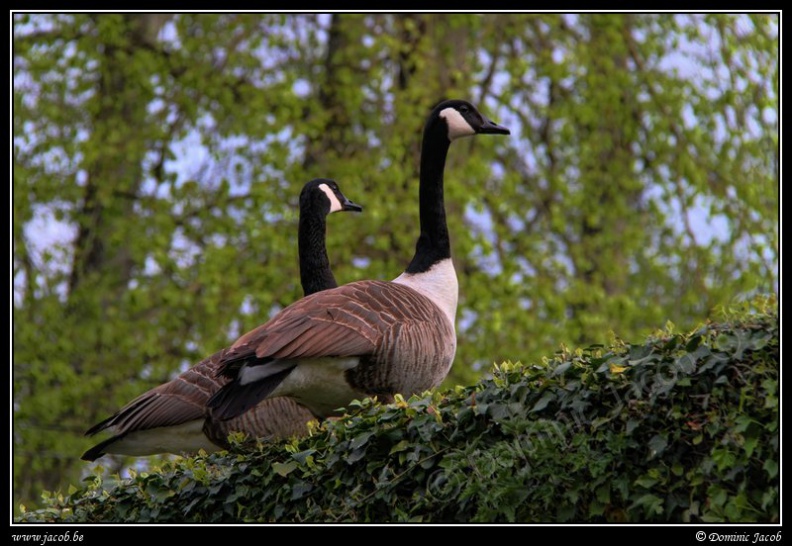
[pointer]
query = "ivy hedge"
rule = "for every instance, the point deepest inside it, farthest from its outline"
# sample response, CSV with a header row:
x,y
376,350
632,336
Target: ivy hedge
x,y
682,428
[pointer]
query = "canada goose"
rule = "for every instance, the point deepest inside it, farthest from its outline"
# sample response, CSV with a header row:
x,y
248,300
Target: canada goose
x,y
170,417
366,338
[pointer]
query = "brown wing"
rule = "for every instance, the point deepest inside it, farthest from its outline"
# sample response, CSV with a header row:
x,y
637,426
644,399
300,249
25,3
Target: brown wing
x,y
175,402
402,341
183,400
350,320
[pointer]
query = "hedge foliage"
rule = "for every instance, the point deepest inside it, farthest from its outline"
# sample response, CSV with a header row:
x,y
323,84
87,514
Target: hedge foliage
x,y
682,428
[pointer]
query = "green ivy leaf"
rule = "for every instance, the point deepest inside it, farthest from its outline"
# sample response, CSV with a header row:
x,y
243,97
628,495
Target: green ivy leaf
x,y
284,469
657,445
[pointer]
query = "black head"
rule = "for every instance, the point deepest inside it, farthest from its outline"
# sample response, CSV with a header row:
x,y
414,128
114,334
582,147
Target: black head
x,y
463,119
325,193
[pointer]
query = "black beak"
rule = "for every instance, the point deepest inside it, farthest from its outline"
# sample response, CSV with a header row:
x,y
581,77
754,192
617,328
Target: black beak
x,y
491,128
346,204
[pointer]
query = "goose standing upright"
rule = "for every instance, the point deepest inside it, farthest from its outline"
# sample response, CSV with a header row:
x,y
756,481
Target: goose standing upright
x,y
170,418
366,338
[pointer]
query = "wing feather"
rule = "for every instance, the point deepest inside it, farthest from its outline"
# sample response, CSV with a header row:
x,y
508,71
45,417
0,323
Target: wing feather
x,y
350,320
403,342
177,401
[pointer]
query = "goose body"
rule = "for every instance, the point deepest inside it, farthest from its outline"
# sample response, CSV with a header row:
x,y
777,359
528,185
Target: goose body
x,y
366,338
171,417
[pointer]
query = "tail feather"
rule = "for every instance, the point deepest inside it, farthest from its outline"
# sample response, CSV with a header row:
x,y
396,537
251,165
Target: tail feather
x,y
99,449
235,398
100,426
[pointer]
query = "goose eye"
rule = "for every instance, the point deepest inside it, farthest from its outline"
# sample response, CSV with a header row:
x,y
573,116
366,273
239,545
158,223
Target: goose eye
x,y
464,109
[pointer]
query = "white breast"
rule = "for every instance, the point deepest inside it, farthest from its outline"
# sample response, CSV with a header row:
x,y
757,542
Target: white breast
x,y
439,284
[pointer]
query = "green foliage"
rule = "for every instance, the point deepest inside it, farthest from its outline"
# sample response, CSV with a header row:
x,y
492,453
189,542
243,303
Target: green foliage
x,y
682,428
158,159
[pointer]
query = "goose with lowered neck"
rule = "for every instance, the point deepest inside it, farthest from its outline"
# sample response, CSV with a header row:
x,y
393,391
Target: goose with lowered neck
x,y
171,417
366,338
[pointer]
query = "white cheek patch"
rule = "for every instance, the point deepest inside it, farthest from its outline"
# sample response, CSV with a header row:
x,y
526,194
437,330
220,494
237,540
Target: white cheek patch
x,y
335,204
457,125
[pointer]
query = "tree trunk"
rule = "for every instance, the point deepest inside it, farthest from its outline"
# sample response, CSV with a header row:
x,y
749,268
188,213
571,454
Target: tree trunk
x,y
104,261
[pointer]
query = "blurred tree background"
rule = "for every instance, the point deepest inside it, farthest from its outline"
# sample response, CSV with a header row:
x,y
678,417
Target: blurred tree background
x,y
158,159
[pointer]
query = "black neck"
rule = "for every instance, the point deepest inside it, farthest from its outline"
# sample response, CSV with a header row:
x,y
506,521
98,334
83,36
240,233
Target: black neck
x,y
315,272
434,244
